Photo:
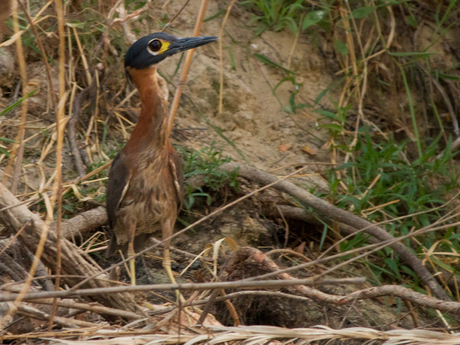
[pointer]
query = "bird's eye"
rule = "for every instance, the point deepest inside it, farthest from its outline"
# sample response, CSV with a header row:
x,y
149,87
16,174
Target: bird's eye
x,y
155,45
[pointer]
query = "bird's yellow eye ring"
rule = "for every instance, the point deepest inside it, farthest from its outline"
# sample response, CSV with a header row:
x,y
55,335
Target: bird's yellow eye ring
x,y
155,46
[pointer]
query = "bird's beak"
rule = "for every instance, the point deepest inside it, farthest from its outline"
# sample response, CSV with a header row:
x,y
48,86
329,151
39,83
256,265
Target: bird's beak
x,y
183,44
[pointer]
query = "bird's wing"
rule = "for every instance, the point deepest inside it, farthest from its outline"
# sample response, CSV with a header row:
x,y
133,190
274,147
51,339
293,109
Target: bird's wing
x,y
117,186
177,173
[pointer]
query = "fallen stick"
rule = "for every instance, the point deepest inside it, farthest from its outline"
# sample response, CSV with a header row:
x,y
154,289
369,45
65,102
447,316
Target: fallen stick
x,y
82,223
339,215
93,308
5,297
299,284
32,312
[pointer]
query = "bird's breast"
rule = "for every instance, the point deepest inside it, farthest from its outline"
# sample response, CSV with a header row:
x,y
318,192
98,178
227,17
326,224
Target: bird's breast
x,y
150,199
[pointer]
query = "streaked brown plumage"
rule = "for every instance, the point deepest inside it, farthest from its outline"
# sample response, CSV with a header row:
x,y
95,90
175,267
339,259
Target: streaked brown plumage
x,y
145,183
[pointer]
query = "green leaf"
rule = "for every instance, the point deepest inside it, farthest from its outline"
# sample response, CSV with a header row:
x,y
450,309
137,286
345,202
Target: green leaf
x,y
291,24
328,114
394,266
6,140
362,12
412,21
341,47
332,126
285,79
269,62
422,54
219,13
312,18
321,95
2,150
19,101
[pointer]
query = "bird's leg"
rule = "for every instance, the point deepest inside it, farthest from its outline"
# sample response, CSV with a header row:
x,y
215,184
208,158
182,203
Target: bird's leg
x,y
132,262
167,232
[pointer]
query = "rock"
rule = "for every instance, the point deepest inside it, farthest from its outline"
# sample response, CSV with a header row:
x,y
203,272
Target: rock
x,y
36,73
7,69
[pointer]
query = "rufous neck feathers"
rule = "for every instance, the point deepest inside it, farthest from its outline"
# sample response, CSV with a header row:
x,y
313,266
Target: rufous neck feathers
x,y
150,128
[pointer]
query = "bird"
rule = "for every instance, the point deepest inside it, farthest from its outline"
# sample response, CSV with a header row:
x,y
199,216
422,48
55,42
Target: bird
x,y
145,185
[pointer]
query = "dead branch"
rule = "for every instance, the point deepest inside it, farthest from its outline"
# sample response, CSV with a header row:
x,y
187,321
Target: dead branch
x,y
6,297
74,260
82,223
339,215
73,126
32,312
95,218
93,308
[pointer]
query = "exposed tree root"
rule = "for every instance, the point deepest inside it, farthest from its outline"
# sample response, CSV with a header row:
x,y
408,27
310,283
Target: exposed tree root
x,y
256,257
339,215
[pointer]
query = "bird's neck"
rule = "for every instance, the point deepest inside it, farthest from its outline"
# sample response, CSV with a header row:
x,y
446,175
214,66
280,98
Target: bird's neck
x,y
149,132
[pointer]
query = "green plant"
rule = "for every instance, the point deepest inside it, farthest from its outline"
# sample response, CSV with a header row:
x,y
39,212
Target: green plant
x,y
382,184
276,14
206,162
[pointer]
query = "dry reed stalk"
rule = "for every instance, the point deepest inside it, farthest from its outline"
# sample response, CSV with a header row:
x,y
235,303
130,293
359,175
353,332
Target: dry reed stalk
x,y
60,119
82,55
221,58
188,61
18,149
255,335
33,268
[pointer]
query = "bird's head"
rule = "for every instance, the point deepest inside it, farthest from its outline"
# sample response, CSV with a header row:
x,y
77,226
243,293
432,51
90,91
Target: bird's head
x,y
150,50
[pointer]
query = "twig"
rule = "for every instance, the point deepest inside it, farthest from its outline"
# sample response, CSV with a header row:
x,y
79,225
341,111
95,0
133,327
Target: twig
x,y
20,136
188,61
374,292
30,311
124,23
73,127
60,124
124,18
221,58
230,296
38,253
94,308
175,16
241,284
180,251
